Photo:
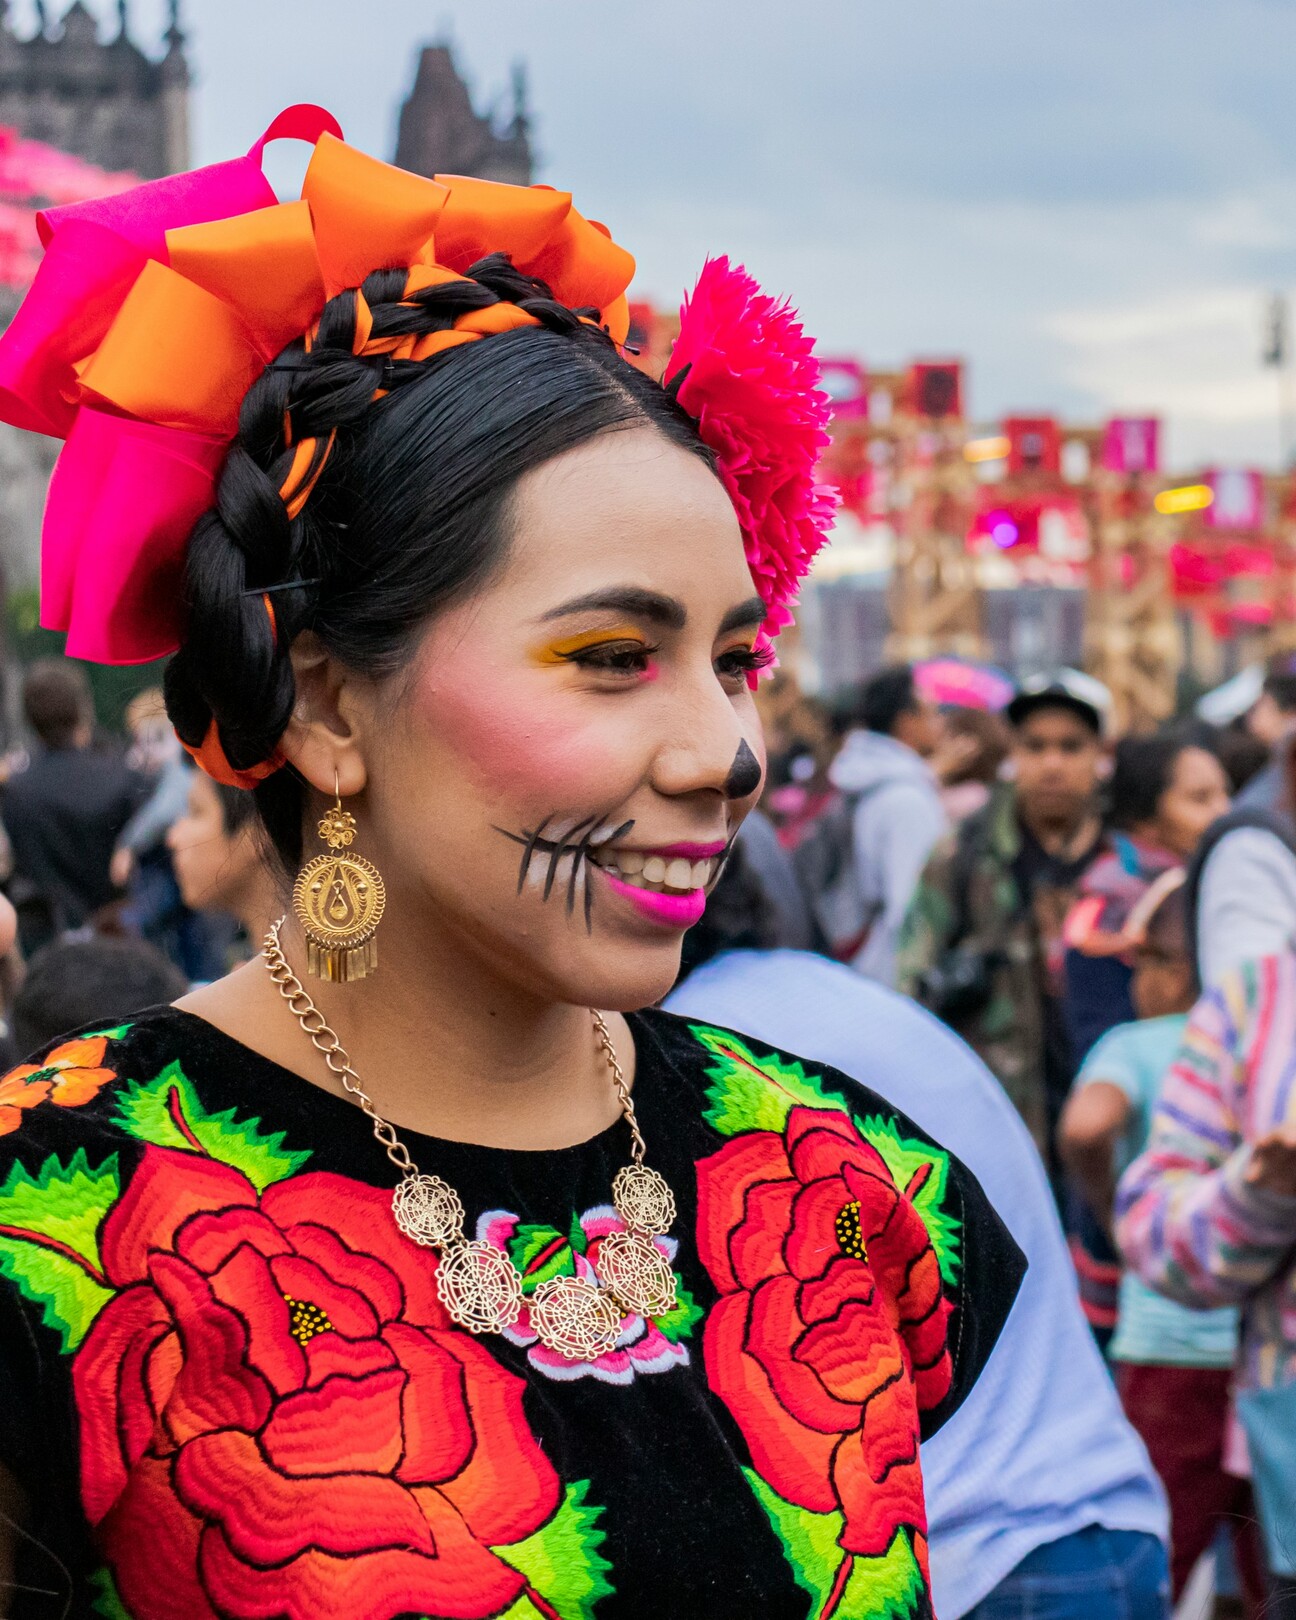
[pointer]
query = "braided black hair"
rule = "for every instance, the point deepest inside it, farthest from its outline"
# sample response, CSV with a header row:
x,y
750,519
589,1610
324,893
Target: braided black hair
x,y
410,510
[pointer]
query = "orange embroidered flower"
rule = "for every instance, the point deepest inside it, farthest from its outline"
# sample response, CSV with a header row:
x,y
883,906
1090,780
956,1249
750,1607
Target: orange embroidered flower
x,y
71,1074
18,1091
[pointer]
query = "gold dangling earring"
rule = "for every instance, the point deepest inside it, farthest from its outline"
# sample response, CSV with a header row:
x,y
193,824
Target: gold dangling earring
x,y
339,902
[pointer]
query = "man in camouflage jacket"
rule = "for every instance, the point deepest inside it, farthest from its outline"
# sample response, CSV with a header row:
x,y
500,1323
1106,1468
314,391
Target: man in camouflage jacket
x,y
982,942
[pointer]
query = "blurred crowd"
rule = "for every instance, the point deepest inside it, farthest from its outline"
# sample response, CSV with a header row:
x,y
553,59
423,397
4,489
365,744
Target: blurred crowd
x,y
1107,922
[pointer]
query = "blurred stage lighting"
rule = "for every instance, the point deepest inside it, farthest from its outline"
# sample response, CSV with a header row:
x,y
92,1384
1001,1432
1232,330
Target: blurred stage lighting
x,y
993,449
1187,498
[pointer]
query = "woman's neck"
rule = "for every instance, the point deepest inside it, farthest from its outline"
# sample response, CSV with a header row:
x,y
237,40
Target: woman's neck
x,y
442,1045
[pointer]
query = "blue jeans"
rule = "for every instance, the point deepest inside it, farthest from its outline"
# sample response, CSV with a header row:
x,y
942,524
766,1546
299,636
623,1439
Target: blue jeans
x,y
1095,1574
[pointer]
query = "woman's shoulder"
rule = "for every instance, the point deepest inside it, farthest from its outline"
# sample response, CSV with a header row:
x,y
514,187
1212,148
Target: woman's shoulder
x,y
738,1076
96,1084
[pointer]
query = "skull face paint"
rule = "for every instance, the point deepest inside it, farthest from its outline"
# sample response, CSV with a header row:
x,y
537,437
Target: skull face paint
x,y
745,774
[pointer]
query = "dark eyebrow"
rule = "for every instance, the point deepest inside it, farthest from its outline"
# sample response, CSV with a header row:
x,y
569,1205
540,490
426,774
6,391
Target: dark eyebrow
x,y
629,599
748,613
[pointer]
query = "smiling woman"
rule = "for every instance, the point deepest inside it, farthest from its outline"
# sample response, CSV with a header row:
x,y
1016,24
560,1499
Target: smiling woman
x,y
456,1284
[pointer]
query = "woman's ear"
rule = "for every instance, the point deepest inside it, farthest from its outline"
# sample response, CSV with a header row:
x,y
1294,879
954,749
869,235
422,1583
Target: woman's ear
x,y
325,737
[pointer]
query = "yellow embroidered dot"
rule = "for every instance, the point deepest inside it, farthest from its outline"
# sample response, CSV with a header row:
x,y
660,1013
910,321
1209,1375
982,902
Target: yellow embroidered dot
x,y
849,1235
305,1320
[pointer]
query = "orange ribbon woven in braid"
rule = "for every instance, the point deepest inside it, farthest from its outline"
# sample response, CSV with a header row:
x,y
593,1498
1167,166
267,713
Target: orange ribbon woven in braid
x,y
310,457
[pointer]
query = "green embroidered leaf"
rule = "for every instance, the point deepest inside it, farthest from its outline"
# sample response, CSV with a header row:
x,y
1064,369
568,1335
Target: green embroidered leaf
x,y
49,1240
923,1172
561,1561
844,1586
107,1035
679,1323
167,1112
540,1252
108,1601
576,1237
748,1093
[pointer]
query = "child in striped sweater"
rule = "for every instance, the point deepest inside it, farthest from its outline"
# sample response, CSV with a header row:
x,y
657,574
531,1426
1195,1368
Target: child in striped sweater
x,y
1207,1213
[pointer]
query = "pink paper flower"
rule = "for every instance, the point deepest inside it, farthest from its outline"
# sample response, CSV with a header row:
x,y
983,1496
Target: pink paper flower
x,y
747,373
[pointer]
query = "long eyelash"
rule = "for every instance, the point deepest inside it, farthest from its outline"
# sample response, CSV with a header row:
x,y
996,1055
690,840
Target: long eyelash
x,y
619,649
747,659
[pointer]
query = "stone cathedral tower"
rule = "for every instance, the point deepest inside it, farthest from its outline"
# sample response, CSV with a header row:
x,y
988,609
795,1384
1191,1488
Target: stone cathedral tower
x,y
106,102
440,132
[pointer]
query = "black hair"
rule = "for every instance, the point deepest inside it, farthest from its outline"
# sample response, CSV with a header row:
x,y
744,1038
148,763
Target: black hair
x,y
1167,927
884,697
1241,754
56,701
411,508
1280,682
237,807
1144,768
79,984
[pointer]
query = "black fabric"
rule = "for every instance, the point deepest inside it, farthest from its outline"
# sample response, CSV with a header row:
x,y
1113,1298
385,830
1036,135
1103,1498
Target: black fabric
x,y
685,1533
63,815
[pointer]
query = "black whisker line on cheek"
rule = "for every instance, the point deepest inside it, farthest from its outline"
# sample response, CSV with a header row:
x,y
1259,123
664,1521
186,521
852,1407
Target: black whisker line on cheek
x,y
582,854
610,838
528,852
589,900
561,848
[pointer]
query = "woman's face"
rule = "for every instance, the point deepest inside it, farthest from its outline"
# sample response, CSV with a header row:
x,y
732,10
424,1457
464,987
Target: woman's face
x,y
212,866
551,786
1197,795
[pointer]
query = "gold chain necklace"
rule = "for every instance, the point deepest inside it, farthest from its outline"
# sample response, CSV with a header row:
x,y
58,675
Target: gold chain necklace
x,y
479,1284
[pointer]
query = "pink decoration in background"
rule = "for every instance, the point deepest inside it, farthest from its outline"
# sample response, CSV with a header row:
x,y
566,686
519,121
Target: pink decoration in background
x,y
32,176
747,373
1131,444
846,384
962,683
1239,498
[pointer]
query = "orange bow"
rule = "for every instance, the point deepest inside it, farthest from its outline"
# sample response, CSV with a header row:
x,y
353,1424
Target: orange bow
x,y
191,337
154,310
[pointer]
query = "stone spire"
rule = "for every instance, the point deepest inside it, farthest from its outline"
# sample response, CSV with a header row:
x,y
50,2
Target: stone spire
x,y
440,132
107,102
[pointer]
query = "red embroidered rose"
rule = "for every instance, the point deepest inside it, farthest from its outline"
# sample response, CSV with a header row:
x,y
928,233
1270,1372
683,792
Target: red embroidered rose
x,y
278,1418
830,1335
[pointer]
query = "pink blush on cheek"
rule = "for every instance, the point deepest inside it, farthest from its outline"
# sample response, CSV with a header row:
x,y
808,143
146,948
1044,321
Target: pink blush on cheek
x,y
514,747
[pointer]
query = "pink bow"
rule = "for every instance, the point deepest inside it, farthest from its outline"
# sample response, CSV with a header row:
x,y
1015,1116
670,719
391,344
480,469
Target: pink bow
x,y
125,494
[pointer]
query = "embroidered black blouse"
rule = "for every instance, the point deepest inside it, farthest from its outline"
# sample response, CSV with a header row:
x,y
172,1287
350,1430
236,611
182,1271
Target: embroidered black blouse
x,y
231,1389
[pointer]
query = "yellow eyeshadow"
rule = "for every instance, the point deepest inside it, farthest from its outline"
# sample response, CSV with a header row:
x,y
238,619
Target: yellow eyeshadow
x,y
557,652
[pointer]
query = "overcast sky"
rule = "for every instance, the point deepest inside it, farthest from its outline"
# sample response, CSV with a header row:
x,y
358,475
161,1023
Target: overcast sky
x,y
1088,199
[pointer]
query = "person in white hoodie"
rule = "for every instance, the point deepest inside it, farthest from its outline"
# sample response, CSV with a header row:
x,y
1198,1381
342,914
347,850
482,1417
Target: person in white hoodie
x,y
891,818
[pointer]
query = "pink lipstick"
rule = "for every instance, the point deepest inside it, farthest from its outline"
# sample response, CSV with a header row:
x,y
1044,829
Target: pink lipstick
x,y
686,852
667,910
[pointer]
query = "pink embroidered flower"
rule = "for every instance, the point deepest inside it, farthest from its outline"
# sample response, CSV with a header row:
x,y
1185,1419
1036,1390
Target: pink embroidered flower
x,y
540,1252
751,380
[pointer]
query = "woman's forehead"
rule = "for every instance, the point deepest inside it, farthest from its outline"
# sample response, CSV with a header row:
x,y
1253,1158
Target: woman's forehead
x,y
626,508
